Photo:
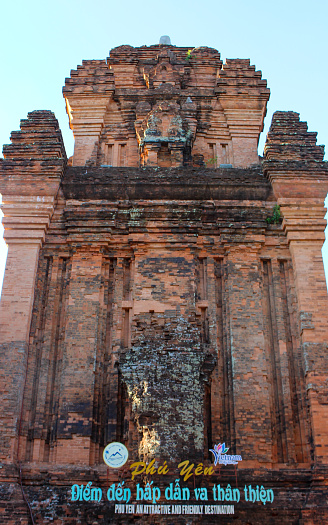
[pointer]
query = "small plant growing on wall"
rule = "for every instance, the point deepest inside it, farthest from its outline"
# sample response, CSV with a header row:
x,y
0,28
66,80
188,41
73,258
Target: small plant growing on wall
x,y
189,55
212,161
275,217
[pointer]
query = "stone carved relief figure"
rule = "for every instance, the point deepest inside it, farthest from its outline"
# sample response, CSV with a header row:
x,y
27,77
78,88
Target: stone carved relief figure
x,y
166,126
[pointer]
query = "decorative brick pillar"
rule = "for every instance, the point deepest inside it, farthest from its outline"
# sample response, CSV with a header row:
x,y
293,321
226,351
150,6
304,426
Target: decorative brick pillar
x,y
30,177
176,150
243,95
249,373
87,94
79,358
300,187
150,154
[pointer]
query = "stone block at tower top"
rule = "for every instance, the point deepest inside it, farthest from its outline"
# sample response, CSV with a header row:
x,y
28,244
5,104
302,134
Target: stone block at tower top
x,y
166,106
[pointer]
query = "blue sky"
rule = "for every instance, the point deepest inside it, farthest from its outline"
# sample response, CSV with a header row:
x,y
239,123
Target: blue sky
x,y
42,41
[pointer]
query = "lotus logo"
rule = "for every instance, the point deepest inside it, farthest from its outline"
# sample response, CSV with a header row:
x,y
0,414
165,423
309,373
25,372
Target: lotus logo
x,y
217,451
219,457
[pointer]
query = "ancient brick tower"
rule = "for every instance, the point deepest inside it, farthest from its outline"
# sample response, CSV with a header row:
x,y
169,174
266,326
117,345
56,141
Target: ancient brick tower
x,y
155,293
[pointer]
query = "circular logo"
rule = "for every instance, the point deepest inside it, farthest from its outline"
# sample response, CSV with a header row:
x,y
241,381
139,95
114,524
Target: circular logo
x,y
115,454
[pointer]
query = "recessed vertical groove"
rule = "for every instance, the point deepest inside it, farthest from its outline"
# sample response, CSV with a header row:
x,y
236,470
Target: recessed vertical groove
x,y
53,390
121,414
294,375
227,419
99,368
122,428
208,443
38,344
127,294
277,406
103,388
109,390
202,297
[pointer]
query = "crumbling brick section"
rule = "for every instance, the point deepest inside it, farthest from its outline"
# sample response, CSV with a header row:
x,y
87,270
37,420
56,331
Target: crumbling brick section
x,y
165,375
38,140
289,139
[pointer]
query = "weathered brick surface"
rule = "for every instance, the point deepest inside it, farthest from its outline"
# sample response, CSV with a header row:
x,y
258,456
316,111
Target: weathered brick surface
x,y
159,306
166,106
30,176
295,167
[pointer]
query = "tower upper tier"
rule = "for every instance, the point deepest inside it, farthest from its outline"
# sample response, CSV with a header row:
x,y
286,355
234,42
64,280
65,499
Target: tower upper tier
x,y
166,106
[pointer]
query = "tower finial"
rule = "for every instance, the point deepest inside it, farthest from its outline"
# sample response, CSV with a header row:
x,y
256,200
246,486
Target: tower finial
x,y
165,40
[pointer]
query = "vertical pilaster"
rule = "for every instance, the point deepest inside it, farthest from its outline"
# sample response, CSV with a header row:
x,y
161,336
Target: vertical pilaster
x,y
249,370
15,318
313,307
299,177
79,358
53,347
30,176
